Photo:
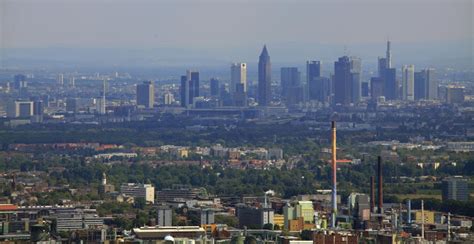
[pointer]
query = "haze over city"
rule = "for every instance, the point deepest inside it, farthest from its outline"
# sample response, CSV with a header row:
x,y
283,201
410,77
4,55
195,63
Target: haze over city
x,y
237,122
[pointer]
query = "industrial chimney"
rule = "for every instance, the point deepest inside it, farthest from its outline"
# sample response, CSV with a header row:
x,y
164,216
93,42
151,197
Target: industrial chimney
x,y
380,185
334,181
372,194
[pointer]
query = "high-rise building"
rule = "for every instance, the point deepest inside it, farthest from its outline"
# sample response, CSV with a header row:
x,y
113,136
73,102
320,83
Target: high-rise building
x,y
319,88
38,111
432,84
390,84
388,56
193,78
376,88
214,87
20,109
72,105
60,79
454,94
420,84
347,80
408,82
291,84
168,98
20,81
426,86
184,91
313,70
238,76
146,94
455,188
382,66
364,89
264,78
101,101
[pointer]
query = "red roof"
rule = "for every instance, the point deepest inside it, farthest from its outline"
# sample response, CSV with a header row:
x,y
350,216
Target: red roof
x,y
7,207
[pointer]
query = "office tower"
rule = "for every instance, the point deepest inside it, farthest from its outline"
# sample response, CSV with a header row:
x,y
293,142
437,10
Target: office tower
x,y
184,91
165,216
347,80
319,88
238,76
20,109
60,79
432,84
264,78
193,79
356,70
146,94
20,81
313,70
168,98
214,87
388,56
420,84
342,81
72,82
426,86
38,111
364,89
290,76
390,84
455,188
145,191
291,88
382,66
454,94
376,88
408,82
72,105
240,96
101,102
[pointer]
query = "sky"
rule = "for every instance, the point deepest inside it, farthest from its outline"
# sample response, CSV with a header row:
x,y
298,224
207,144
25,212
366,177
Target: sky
x,y
237,25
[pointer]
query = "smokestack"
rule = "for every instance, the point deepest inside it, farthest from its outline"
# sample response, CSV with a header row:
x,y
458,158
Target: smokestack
x,y
380,184
372,194
409,211
334,180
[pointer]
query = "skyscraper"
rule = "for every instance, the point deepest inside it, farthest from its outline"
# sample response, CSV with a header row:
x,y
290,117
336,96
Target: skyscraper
x,y
408,82
238,75
342,81
419,86
390,84
425,85
184,91
214,87
347,80
289,77
193,78
264,78
313,70
388,56
431,83
319,88
146,94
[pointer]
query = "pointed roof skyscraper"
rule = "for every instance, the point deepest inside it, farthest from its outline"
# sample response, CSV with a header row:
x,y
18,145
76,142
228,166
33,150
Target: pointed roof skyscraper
x,y
264,78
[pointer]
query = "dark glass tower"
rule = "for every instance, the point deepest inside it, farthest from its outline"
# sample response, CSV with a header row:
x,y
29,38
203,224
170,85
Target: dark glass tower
x,y
264,78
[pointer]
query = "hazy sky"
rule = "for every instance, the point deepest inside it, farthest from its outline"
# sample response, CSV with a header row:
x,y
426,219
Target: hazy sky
x,y
233,23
